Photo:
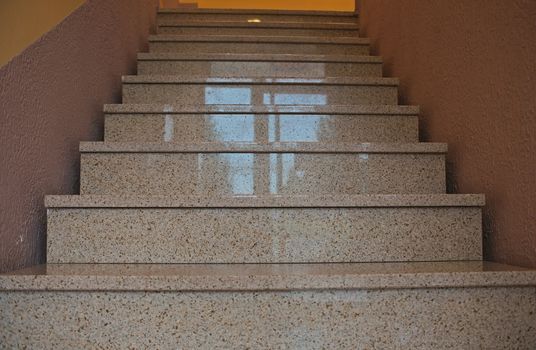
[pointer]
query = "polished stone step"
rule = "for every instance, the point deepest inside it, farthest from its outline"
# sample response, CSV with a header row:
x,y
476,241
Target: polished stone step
x,y
174,16
263,229
259,44
259,65
258,169
260,124
452,305
171,89
260,28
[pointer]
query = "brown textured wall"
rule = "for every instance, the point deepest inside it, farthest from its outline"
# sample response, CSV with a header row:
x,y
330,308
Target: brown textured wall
x,y
471,65
23,22
51,97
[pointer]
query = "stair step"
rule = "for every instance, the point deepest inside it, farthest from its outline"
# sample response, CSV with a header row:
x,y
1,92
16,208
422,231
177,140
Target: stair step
x,y
259,28
259,44
250,168
259,91
263,229
404,305
260,65
170,16
260,124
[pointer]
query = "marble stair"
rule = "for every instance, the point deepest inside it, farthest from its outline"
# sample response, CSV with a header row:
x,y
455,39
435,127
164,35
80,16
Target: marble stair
x,y
260,187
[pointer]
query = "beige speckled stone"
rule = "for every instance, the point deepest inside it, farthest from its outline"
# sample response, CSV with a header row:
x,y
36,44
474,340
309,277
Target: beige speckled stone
x,y
299,201
263,109
172,16
258,91
257,65
260,124
275,277
260,128
270,111
261,28
263,235
421,316
255,45
287,169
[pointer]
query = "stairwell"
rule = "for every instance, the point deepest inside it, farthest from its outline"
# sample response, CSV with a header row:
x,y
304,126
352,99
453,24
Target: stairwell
x,y
260,187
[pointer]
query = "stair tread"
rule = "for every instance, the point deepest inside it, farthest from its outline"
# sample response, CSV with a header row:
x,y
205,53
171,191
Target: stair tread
x,y
257,12
261,39
192,79
253,147
243,277
260,109
264,24
178,56
275,201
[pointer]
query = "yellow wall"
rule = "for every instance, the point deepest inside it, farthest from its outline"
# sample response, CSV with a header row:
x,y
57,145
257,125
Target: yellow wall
x,y
318,5
24,21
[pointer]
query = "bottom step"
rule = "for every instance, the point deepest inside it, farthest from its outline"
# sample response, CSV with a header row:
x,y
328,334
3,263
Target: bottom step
x,y
466,305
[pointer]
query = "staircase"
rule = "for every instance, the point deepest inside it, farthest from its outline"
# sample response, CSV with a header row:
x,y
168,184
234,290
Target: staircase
x,y
261,188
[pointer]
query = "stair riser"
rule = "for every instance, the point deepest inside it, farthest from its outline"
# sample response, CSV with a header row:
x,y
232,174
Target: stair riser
x,y
263,235
176,18
260,69
260,128
471,318
259,94
256,31
282,48
261,173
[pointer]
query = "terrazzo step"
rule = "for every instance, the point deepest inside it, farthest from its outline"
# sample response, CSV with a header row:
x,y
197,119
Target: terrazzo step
x,y
469,305
259,65
259,169
260,124
263,229
259,44
259,91
173,16
259,28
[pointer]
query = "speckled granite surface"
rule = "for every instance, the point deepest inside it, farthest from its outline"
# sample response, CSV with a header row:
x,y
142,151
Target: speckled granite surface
x,y
255,57
265,277
279,91
302,201
263,235
265,17
259,28
254,45
273,147
249,27
256,109
493,318
346,317
260,128
329,81
192,173
335,26
259,39
259,68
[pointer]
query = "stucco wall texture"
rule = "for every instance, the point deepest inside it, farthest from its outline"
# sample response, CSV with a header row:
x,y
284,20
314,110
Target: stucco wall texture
x,y
51,97
471,66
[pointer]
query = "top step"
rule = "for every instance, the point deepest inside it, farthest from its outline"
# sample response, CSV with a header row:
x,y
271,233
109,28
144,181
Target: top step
x,y
177,15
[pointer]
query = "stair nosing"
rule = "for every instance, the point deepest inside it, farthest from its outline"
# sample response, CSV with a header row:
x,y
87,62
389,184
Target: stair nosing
x,y
192,79
271,39
274,201
171,56
259,12
253,147
264,25
266,277
264,109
